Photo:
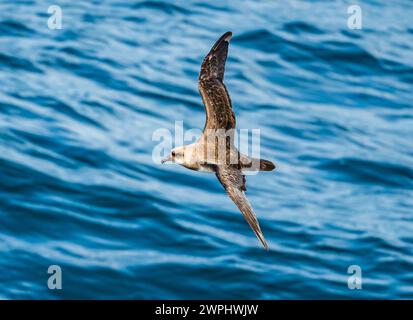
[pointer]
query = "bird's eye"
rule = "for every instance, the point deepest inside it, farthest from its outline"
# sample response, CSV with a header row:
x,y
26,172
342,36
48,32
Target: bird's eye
x,y
173,153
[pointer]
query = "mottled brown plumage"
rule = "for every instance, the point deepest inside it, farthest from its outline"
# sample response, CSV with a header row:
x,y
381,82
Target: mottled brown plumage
x,y
212,89
215,151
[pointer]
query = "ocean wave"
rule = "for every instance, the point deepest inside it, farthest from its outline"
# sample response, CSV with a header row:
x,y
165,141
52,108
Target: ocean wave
x,y
79,187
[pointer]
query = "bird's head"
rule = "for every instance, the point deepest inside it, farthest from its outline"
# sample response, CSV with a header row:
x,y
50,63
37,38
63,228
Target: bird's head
x,y
177,155
181,155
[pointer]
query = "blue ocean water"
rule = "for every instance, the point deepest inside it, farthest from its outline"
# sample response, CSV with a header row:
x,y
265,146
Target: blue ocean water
x,y
79,188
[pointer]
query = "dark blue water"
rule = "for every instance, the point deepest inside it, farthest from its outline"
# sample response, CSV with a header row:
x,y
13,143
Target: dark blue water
x,y
79,188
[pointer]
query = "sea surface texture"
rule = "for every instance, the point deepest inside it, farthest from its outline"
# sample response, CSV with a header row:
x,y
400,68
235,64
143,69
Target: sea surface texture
x,y
80,187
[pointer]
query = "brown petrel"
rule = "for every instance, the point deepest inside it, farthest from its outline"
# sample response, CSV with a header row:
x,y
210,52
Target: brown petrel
x,y
215,150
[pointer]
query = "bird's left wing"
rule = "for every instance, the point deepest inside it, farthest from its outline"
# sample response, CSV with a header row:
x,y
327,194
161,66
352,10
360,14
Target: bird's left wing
x,y
234,183
219,114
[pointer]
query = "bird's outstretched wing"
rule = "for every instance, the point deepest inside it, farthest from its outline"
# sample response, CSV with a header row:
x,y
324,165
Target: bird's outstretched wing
x,y
234,183
214,94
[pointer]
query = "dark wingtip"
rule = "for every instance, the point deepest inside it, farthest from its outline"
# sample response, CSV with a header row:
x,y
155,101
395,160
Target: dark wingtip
x,y
227,36
263,242
224,38
213,66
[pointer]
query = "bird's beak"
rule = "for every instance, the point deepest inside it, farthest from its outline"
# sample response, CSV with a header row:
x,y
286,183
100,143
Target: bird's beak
x,y
168,158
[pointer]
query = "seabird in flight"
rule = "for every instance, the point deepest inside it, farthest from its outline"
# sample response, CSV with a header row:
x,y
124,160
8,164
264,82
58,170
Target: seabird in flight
x,y
215,151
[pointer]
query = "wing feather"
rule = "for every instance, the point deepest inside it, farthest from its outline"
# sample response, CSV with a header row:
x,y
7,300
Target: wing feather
x,y
234,183
214,94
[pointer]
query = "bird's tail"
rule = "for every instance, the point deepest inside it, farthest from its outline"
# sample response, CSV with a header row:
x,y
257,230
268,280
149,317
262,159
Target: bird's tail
x,y
266,165
254,164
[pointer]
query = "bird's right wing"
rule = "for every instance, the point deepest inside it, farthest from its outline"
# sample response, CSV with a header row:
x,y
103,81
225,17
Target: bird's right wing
x,y
214,94
234,183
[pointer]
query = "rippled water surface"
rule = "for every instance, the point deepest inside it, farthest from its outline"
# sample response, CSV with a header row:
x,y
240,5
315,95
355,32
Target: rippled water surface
x,y
79,188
